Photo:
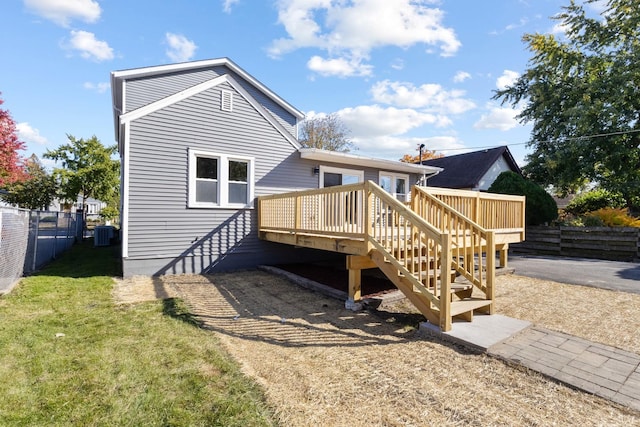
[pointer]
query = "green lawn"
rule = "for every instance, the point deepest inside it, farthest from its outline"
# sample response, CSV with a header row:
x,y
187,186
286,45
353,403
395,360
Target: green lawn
x,y
144,364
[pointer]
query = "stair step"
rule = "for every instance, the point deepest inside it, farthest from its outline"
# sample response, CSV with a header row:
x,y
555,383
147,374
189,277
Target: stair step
x,y
457,287
428,274
417,258
468,304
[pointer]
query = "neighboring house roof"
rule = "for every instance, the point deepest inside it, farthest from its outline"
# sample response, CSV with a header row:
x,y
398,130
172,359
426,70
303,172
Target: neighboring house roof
x,y
119,77
356,160
466,170
563,202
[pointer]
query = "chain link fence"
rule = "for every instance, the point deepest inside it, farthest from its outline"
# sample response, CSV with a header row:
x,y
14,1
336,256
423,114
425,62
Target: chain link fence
x,y
31,239
14,238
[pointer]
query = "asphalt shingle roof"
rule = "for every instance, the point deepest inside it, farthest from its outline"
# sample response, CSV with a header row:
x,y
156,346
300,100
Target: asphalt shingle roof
x,y
466,170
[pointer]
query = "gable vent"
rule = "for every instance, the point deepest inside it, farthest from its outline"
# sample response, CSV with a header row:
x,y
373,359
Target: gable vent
x,y
226,100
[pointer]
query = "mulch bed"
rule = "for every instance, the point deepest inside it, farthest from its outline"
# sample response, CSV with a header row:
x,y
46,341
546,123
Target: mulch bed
x,y
373,281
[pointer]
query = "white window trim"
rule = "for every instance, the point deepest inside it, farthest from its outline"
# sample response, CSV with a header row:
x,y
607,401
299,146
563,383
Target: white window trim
x,y
394,176
223,180
329,169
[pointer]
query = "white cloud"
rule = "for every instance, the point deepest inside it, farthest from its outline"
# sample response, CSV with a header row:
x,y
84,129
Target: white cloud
x,y
599,6
394,147
62,12
519,24
30,135
89,47
559,29
180,49
338,67
397,64
500,118
508,78
384,132
373,120
461,76
352,29
228,4
101,87
432,97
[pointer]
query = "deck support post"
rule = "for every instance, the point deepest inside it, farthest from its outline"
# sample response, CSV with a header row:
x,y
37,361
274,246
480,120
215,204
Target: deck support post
x,y
355,294
504,255
355,265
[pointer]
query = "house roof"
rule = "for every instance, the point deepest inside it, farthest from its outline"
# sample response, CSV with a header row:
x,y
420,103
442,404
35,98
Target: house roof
x,y
119,77
466,170
372,162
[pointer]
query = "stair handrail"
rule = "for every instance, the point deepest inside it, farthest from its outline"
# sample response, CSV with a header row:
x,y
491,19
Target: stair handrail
x,y
391,224
466,246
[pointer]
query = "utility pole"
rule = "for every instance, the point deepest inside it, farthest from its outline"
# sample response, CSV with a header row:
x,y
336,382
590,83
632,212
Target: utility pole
x,y
424,177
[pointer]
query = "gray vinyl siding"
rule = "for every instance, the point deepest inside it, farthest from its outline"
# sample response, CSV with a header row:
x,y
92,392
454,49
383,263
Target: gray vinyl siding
x,y
278,112
165,236
144,91
163,231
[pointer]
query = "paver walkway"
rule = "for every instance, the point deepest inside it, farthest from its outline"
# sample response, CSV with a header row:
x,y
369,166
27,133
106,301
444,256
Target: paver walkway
x,y
596,368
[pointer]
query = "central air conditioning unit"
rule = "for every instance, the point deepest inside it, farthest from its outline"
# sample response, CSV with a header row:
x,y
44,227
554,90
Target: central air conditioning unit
x,y
102,235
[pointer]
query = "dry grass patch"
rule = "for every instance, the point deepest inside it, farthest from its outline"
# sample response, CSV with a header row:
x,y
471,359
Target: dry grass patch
x,y
139,289
323,365
594,314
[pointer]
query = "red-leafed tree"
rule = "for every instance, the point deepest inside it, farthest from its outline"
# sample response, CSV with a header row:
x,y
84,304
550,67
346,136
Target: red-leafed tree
x,y
426,155
11,163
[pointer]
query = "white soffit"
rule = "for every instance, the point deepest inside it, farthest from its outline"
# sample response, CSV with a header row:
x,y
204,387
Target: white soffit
x,y
355,160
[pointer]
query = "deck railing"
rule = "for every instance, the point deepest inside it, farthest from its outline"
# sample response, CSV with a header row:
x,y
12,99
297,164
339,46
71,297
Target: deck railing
x,y
442,229
473,246
331,211
488,210
416,246
366,211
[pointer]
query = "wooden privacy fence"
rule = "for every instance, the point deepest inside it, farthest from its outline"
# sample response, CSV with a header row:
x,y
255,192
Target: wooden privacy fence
x,y
612,243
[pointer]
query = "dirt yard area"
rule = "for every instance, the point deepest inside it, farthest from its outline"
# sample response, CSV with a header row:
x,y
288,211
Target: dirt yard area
x,y
323,365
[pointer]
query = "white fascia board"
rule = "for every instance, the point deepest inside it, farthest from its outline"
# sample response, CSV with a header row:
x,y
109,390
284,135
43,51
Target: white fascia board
x,y
170,68
170,100
372,162
263,112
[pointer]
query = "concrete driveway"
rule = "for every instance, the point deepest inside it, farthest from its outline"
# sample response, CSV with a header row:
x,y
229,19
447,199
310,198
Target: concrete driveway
x,y
613,275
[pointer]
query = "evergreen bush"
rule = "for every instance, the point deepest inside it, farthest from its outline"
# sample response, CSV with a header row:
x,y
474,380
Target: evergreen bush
x,y
540,206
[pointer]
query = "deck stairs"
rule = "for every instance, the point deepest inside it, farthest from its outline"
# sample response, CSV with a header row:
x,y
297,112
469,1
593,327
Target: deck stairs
x,y
441,260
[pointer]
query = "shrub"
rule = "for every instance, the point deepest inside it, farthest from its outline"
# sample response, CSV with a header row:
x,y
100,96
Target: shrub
x,y
611,217
109,213
592,221
540,206
594,200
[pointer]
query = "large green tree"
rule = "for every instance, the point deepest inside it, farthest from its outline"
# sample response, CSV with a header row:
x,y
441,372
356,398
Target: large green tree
x,y
37,191
88,169
581,92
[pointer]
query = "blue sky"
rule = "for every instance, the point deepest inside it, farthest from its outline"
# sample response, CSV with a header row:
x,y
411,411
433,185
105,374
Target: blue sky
x,y
397,72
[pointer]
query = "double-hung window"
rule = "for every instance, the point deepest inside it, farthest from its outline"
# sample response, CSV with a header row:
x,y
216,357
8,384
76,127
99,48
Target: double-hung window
x,y
219,180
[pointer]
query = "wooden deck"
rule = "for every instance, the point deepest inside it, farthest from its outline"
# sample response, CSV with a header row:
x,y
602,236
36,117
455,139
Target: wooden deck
x,y
416,246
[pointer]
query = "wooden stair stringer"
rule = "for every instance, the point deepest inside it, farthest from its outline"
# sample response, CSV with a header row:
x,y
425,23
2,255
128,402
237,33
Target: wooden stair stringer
x,y
406,286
